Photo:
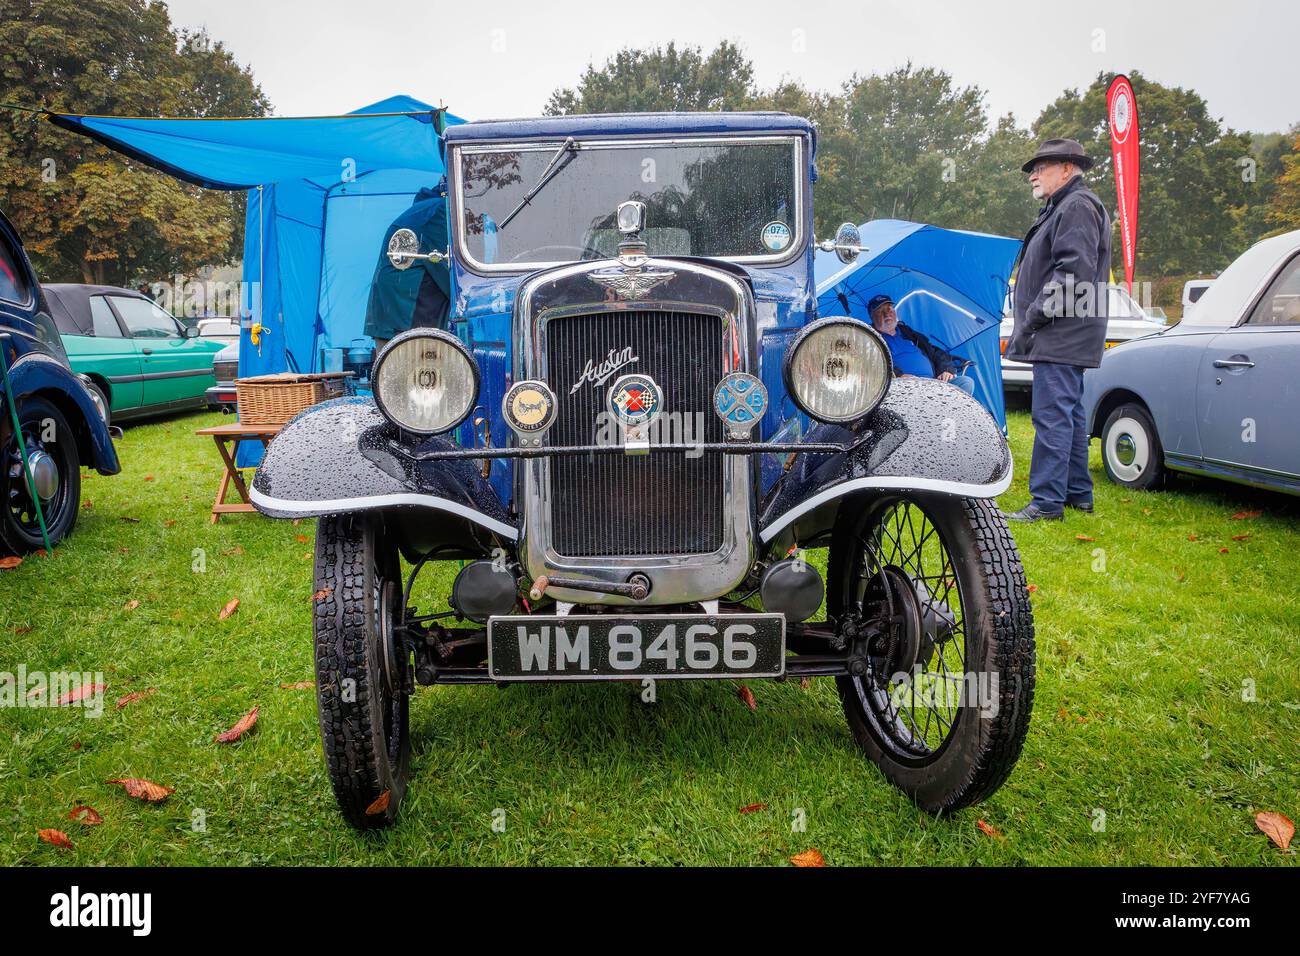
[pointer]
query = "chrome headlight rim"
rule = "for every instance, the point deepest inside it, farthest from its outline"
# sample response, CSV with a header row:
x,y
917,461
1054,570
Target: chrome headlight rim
x,y
441,336
807,332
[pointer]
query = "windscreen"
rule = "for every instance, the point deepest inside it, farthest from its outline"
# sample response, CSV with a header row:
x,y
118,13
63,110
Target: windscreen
x,y
723,199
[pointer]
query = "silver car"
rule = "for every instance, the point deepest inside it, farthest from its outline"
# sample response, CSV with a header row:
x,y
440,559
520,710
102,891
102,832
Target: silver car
x,y
1219,393
1127,320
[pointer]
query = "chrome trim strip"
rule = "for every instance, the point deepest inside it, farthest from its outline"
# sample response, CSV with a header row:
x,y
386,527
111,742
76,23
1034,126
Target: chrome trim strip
x,y
797,247
366,502
887,482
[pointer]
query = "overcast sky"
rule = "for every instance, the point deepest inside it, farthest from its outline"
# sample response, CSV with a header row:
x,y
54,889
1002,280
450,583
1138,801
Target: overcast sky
x,y
495,58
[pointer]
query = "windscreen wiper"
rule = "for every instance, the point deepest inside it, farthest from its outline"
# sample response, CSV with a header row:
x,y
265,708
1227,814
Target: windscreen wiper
x,y
563,156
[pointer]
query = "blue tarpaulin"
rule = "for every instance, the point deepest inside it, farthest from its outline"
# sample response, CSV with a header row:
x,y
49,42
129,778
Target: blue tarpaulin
x,y
321,193
947,284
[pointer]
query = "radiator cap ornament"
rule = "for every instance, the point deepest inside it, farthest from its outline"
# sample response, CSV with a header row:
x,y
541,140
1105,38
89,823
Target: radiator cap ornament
x,y
529,408
740,401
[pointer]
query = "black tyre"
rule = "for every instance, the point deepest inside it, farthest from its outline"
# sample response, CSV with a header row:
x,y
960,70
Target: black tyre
x,y
1130,449
949,732
52,454
361,676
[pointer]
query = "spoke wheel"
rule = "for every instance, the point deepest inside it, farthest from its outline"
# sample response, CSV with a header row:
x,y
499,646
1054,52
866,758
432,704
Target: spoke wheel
x,y
52,456
944,705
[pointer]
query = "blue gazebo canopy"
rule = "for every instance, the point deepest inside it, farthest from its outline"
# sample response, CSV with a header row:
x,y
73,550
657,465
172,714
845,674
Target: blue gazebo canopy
x,y
322,191
946,283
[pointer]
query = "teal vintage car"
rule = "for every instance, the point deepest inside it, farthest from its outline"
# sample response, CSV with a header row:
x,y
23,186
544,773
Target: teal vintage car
x,y
139,359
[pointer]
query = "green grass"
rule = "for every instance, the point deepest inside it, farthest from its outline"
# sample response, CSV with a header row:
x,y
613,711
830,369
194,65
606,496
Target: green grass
x,y
1138,713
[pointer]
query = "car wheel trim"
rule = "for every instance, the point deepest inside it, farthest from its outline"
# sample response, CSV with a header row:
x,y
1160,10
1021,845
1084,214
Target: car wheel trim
x,y
1128,439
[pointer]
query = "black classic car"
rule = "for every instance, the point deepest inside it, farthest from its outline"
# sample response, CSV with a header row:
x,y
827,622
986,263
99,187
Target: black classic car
x,y
634,430
50,424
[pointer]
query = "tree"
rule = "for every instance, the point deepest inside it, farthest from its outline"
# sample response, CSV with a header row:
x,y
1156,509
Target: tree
x,y
662,78
86,213
1283,212
1195,192
910,144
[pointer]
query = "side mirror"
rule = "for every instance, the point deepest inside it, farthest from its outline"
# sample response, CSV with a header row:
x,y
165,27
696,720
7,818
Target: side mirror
x,y
191,332
404,249
847,244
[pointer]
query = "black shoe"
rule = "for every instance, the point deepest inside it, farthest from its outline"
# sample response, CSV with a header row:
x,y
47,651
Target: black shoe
x,y
1084,506
1032,512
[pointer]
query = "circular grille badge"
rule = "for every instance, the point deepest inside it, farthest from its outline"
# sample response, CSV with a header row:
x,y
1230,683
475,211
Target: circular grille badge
x,y
740,400
529,407
635,399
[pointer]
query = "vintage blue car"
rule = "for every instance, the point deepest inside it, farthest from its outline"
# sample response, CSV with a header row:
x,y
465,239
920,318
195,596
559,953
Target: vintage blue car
x,y
49,423
1216,394
633,431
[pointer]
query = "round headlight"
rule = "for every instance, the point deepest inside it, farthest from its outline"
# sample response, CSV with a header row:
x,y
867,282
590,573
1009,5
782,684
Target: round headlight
x,y
426,381
838,370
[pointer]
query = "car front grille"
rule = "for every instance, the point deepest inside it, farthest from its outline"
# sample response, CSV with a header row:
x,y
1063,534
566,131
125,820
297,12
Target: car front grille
x,y
615,505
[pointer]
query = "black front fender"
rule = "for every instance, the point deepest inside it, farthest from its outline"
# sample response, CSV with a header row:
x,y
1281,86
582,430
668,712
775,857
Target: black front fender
x,y
39,374
343,456
925,436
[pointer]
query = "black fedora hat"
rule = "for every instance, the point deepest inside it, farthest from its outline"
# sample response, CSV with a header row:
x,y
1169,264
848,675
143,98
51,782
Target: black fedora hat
x,y
1067,150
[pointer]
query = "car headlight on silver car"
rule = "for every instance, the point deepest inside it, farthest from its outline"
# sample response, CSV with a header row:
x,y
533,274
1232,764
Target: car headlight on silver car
x,y
837,370
426,381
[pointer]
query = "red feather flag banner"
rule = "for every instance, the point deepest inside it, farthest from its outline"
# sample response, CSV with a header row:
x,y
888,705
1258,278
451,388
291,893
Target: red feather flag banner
x,y
1122,118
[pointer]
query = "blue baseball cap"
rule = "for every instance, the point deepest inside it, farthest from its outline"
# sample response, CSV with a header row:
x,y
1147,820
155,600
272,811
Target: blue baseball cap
x,y
876,302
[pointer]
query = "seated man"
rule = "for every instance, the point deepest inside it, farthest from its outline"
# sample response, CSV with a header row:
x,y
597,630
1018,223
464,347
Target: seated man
x,y
912,352
418,297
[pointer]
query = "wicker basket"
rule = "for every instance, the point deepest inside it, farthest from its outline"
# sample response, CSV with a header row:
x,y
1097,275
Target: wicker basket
x,y
274,399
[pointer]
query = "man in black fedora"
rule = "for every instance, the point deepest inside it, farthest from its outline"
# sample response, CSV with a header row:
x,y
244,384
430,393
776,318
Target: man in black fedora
x,y
1060,306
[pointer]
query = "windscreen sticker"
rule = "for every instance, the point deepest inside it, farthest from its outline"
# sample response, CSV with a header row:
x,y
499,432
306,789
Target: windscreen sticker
x,y
776,236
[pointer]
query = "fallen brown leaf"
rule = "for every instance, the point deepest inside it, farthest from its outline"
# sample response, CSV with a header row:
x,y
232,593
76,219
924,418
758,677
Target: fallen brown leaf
x,y
1084,537
78,693
229,609
380,805
300,685
87,503
134,696
1246,515
169,522
1032,588
1240,537
142,789
301,539
9,563
56,837
753,808
23,629
1191,537
804,683
809,857
85,815
1277,827
1180,574
242,726
235,550
322,594
747,696
1223,551
989,829
131,605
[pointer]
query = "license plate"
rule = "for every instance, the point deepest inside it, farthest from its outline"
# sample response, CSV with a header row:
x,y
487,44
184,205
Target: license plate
x,y
662,646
